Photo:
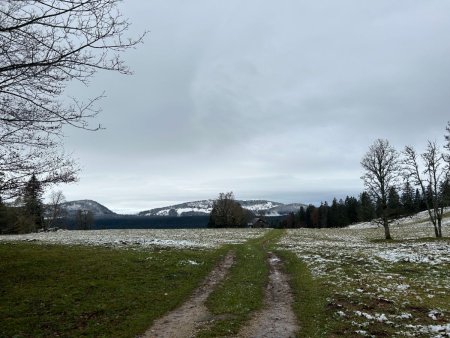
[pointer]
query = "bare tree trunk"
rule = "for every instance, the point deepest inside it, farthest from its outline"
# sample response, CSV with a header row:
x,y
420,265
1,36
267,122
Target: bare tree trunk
x,y
436,231
387,232
439,228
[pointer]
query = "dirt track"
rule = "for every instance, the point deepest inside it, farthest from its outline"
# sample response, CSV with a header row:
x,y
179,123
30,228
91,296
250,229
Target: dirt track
x,y
185,320
276,319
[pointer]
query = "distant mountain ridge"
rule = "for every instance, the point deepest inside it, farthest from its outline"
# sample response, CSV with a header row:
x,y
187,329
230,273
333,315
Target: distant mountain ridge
x,y
96,208
194,208
204,207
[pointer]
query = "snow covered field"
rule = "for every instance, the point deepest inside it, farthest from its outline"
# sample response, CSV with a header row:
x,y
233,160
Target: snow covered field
x,y
172,238
400,288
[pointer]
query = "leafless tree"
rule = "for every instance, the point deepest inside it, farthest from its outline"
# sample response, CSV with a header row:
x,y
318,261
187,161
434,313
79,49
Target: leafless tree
x,y
227,212
45,44
55,210
431,180
381,165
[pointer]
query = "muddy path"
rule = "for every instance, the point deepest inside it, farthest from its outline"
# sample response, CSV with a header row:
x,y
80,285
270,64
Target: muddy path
x,y
189,317
276,319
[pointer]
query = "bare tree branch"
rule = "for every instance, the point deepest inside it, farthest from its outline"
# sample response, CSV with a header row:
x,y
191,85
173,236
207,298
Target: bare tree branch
x,y
381,173
432,180
45,44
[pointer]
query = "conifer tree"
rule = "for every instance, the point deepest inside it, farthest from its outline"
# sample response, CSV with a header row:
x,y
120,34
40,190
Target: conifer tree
x,y
445,191
342,214
366,208
32,198
333,214
323,215
301,217
419,202
3,217
351,205
394,205
407,198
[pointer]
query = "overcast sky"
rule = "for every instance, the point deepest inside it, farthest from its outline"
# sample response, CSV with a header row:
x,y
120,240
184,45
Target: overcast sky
x,y
271,100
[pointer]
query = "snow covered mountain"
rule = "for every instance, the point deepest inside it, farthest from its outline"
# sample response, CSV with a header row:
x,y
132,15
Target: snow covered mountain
x,y
204,207
195,208
96,208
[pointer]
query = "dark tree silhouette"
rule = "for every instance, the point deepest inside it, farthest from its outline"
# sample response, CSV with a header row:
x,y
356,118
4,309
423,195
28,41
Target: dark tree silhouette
x,y
33,207
45,44
366,208
407,199
227,213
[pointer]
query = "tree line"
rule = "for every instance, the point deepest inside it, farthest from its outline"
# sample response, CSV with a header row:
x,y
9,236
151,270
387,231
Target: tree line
x,y
227,212
343,212
28,213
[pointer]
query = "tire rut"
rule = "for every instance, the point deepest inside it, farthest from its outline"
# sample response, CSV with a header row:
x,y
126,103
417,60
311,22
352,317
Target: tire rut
x,y
190,316
276,319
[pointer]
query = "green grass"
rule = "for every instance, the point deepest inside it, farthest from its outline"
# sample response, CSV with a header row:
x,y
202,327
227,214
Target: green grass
x,y
242,292
48,290
361,287
74,291
310,297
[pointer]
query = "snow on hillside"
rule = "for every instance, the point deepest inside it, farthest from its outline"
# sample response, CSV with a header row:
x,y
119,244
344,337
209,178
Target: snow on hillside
x,y
93,206
259,205
419,218
204,207
199,207
148,238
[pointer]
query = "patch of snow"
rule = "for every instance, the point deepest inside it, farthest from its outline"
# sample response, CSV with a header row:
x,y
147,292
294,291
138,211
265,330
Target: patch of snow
x,y
434,314
148,238
348,258
438,331
189,262
404,316
403,287
361,332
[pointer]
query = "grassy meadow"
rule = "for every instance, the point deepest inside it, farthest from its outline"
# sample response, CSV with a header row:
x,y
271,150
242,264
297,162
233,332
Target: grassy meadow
x,y
73,291
364,286
346,282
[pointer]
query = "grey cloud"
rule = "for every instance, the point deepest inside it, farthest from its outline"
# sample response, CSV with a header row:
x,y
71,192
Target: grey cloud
x,y
275,100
